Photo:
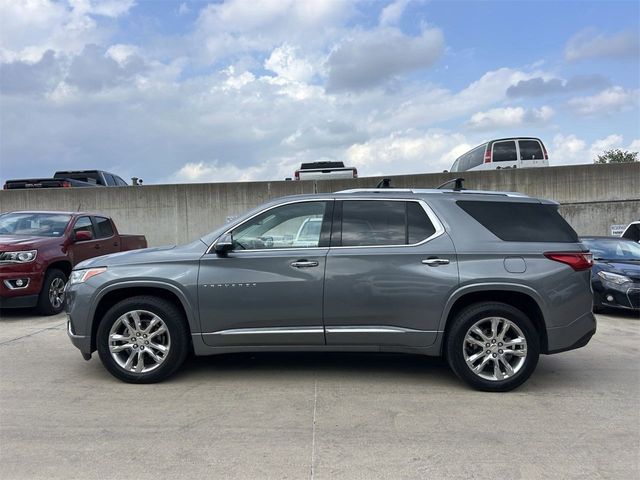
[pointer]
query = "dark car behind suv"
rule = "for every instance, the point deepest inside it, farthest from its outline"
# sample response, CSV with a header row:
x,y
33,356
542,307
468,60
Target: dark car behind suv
x,y
489,280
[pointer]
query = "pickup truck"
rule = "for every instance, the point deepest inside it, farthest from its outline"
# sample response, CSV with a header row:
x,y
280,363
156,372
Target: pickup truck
x,y
67,179
38,250
325,171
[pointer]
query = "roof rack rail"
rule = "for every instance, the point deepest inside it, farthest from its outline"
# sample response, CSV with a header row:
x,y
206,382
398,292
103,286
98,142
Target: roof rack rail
x,y
458,184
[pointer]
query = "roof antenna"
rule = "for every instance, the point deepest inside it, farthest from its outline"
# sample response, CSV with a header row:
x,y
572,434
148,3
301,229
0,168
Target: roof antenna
x,y
458,184
384,183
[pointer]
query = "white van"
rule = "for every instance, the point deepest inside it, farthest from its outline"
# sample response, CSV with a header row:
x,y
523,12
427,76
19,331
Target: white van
x,y
516,152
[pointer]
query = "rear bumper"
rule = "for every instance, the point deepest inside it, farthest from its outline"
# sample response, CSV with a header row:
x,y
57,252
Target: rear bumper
x,y
575,335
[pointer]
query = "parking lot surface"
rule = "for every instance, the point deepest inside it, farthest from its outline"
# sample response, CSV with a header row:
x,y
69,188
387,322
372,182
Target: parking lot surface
x,y
319,416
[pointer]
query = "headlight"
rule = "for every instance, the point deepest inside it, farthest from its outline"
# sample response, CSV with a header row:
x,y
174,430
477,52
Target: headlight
x,y
24,256
614,278
80,276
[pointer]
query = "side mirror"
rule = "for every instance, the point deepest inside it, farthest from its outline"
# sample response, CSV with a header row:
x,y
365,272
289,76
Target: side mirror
x,y
223,245
83,235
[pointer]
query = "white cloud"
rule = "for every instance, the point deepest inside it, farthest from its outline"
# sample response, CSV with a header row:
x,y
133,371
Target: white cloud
x,y
285,61
569,149
612,99
507,117
590,44
407,152
370,58
31,27
183,9
391,14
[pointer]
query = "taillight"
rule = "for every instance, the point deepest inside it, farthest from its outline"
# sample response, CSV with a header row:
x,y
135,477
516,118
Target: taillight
x,y
544,150
355,172
487,155
577,260
297,175
66,184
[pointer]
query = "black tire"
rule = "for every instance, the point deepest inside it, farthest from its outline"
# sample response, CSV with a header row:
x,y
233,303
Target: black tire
x,y
455,344
45,305
177,328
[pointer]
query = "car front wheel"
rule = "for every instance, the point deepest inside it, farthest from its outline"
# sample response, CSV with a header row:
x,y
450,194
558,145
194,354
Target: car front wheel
x,y
493,346
142,339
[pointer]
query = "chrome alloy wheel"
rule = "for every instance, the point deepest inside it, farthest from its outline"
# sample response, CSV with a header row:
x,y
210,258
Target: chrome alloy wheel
x,y
139,341
494,348
56,292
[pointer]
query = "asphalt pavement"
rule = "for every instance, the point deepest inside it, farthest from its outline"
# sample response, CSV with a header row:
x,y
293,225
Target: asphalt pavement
x,y
317,416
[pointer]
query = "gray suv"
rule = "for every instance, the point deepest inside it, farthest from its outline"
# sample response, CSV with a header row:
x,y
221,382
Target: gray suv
x,y
488,280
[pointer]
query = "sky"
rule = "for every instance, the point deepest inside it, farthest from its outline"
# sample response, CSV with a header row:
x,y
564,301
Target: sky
x,y
237,90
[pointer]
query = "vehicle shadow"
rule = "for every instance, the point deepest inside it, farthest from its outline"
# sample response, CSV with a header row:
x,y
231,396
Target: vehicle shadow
x,y
325,364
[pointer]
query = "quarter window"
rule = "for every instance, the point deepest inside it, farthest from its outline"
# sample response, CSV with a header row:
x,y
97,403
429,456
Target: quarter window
x,y
381,222
297,225
504,152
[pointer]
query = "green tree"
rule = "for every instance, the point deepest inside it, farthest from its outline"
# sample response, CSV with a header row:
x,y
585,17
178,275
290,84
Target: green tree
x,y
615,155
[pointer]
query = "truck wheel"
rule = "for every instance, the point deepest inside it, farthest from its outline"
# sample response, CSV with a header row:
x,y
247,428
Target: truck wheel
x,y
492,346
51,298
143,339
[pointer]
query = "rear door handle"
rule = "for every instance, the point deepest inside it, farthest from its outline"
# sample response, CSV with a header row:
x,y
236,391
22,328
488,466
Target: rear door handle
x,y
434,262
97,247
304,264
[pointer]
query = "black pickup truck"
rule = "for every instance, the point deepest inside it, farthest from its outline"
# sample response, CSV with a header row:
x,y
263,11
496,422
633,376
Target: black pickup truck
x,y
76,178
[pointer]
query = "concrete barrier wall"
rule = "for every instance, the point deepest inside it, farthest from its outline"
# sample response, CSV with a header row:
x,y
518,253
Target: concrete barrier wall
x,y
593,197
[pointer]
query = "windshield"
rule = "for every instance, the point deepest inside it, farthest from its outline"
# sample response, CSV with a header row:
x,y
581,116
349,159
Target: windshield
x,y
613,249
34,224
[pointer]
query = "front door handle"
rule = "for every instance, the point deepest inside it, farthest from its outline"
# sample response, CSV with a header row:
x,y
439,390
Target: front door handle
x,y
434,262
97,247
304,264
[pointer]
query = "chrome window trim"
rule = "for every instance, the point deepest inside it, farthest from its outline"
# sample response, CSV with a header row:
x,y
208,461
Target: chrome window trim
x,y
439,227
230,229
435,221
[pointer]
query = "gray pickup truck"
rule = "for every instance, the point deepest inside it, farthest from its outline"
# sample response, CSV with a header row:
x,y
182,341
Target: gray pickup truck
x,y
68,179
489,280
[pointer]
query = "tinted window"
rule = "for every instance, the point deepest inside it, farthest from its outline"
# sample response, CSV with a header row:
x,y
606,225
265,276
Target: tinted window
x,y
291,226
504,152
464,163
454,167
103,227
373,223
109,179
384,223
612,249
530,150
419,225
476,157
84,224
120,182
521,222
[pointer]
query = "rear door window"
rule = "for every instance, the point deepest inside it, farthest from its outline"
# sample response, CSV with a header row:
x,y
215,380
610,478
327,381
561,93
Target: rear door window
x,y
384,222
521,222
103,227
530,150
505,151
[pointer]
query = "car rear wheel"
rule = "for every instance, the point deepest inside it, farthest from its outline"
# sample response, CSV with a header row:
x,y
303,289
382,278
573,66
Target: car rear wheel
x,y
51,298
143,339
493,346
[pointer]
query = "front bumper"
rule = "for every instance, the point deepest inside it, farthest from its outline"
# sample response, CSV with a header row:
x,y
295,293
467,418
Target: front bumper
x,y
575,335
20,297
626,296
81,342
77,301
